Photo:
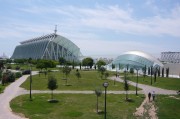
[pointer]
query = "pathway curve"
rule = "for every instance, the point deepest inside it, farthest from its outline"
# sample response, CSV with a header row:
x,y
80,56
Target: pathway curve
x,y
13,90
147,109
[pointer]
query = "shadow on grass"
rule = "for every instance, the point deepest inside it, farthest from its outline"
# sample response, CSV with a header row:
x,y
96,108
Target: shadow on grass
x,y
53,101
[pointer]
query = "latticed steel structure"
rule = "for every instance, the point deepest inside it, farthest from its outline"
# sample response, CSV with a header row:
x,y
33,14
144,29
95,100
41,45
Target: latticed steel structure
x,y
137,59
50,46
170,57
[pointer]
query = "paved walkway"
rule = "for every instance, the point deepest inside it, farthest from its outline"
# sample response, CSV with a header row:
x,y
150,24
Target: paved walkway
x,y
146,88
14,90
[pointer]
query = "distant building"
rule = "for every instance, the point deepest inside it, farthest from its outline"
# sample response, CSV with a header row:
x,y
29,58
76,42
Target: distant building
x,y
4,57
137,59
50,46
170,57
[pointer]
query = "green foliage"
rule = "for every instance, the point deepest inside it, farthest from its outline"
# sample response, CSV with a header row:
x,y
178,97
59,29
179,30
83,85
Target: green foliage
x,y
106,75
8,77
62,61
132,71
102,71
18,74
9,67
112,66
66,70
20,61
45,64
52,84
11,77
100,63
126,88
78,75
98,93
0,75
17,67
88,62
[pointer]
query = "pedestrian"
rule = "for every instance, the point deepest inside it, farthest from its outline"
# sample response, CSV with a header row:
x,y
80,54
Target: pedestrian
x,y
153,95
149,96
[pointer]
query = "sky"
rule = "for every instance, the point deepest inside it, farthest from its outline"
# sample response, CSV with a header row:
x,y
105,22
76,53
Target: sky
x,y
100,28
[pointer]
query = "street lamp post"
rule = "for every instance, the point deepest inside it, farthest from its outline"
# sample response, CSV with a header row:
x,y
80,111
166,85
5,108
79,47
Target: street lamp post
x,y
105,84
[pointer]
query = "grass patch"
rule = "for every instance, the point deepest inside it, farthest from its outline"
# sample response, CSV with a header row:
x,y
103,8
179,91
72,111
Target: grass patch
x,y
2,88
161,82
89,80
168,107
75,106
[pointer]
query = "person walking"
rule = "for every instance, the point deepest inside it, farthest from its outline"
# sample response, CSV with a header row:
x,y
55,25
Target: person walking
x,y
149,96
153,95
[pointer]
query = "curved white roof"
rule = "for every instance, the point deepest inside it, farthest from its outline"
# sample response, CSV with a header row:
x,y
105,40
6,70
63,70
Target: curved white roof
x,y
137,58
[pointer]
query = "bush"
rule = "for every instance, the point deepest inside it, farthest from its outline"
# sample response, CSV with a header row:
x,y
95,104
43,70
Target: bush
x,y
9,67
26,72
17,67
11,77
18,74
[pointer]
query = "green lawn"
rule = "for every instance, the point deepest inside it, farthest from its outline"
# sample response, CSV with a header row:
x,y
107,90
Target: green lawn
x,y
161,82
75,106
2,88
168,107
90,80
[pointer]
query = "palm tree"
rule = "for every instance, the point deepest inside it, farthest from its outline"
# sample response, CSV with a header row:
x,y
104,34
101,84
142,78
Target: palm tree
x,y
98,93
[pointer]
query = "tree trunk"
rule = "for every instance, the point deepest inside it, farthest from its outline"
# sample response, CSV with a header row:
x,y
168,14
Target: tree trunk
x,y
52,94
97,105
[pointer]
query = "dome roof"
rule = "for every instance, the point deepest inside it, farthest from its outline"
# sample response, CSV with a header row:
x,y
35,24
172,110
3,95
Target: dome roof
x,y
138,59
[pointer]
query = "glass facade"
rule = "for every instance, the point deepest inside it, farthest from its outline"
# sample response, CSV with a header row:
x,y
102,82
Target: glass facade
x,y
137,59
50,46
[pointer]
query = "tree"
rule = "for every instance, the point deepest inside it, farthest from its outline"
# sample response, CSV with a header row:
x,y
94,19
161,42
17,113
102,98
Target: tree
x,y
162,72
106,75
113,66
144,72
167,72
0,75
78,75
52,84
62,61
159,72
100,63
98,93
66,70
102,70
45,64
132,71
88,62
126,88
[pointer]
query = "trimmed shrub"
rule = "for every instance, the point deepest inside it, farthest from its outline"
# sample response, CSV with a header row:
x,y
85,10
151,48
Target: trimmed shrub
x,y
17,67
26,72
18,74
11,77
9,67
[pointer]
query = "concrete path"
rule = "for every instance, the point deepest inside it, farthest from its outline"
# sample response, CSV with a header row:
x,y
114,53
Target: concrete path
x,y
14,90
9,93
146,88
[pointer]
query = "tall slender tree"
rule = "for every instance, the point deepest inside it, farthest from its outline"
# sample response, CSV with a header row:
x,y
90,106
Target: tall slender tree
x,y
98,93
